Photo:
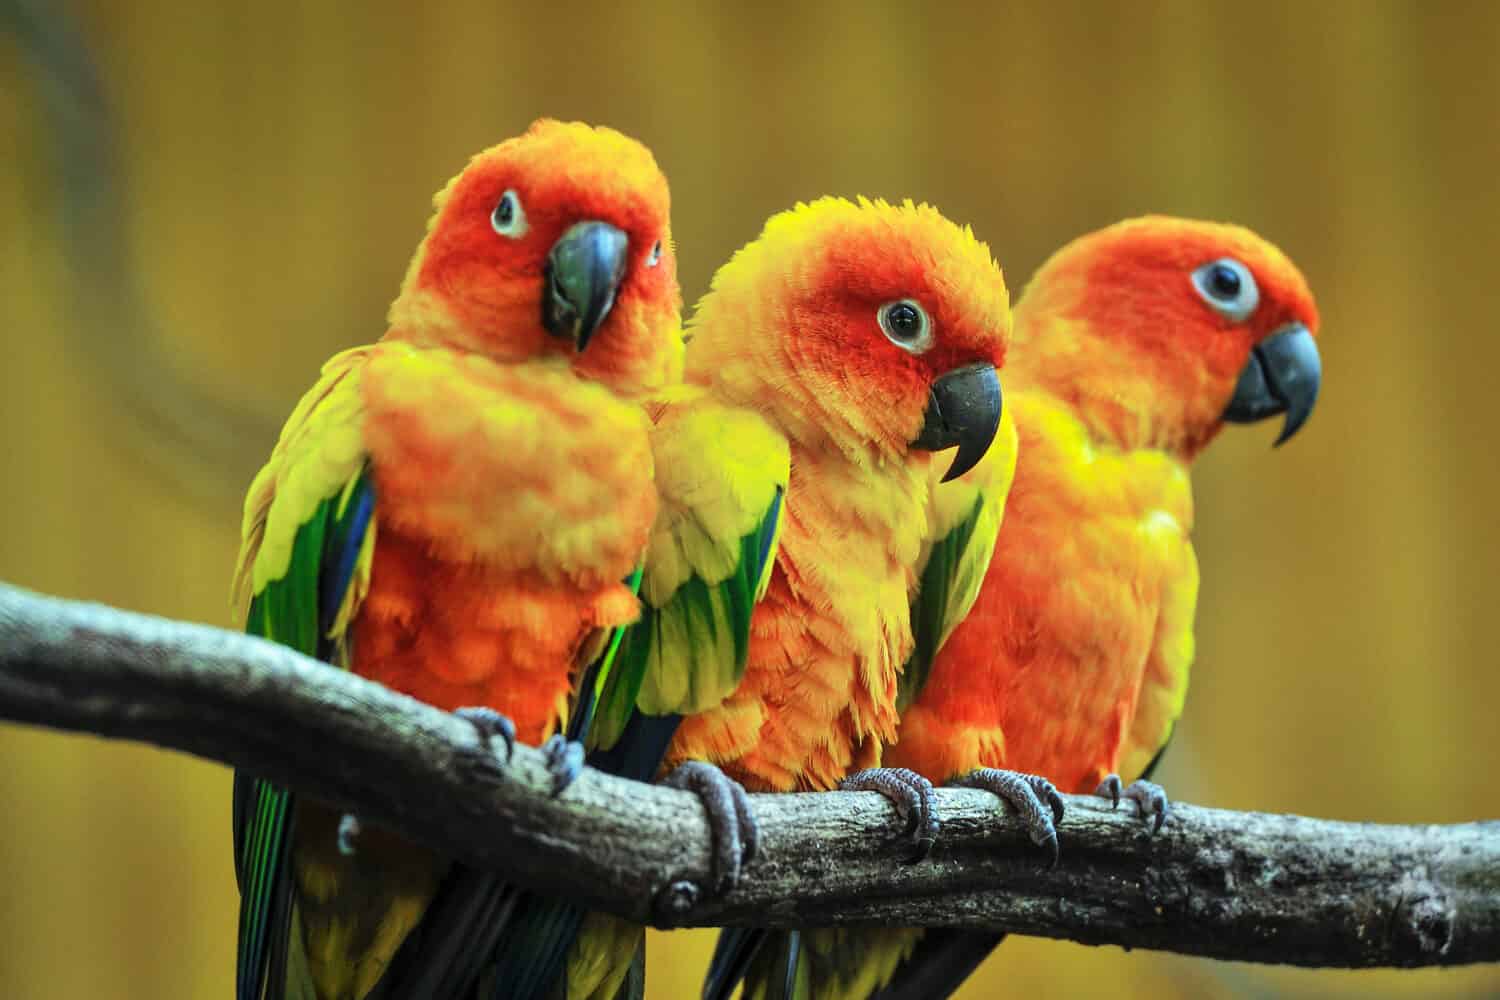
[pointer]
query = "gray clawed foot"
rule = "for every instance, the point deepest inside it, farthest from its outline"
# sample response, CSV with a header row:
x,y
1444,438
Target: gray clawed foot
x,y
1031,795
1149,797
736,833
564,761
489,724
911,794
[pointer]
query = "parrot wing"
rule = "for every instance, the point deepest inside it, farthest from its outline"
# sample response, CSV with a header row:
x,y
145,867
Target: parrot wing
x,y
1164,682
965,518
304,567
721,474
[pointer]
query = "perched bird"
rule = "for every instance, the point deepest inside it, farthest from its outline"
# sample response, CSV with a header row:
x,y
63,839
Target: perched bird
x,y
460,511
1133,346
869,335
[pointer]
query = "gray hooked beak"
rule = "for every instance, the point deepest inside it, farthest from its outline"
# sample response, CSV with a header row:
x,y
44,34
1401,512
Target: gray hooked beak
x,y
1282,376
583,273
963,409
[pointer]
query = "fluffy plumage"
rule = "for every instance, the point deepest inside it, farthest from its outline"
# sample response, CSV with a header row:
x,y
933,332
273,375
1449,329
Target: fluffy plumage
x,y
1074,661
503,482
789,329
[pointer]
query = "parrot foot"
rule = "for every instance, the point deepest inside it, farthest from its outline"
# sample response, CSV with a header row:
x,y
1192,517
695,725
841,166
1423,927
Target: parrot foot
x,y
349,831
911,794
1148,796
564,761
1031,795
736,834
490,724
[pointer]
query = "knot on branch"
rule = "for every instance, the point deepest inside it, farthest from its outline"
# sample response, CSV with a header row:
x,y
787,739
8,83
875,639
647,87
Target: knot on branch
x,y
1424,924
675,902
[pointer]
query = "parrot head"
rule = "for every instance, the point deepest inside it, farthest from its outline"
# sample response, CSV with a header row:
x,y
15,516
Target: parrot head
x,y
875,327
556,242
1166,328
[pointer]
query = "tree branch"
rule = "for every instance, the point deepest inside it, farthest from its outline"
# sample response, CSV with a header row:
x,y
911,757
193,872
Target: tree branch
x,y
1246,886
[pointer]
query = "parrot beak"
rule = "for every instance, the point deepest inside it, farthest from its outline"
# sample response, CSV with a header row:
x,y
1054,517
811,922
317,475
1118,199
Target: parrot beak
x,y
963,409
1282,376
583,272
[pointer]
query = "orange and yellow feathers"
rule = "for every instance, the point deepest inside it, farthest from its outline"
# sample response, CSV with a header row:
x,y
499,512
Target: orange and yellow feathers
x,y
1133,346
835,325
459,510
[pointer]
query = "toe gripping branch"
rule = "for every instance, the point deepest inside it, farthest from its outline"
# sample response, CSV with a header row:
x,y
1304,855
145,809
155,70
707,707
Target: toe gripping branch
x,y
911,794
1033,797
1149,797
487,722
736,833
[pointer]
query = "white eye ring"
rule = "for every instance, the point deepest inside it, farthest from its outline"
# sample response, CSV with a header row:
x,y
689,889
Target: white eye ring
x,y
905,324
654,257
509,218
1228,287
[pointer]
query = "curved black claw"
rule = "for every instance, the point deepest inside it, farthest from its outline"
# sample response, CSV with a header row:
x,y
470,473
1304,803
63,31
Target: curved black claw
x,y
349,831
736,833
564,761
490,723
912,796
1031,795
1148,796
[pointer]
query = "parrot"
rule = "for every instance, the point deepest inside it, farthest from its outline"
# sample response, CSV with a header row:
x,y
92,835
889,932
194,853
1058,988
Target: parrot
x,y
1133,346
462,511
870,335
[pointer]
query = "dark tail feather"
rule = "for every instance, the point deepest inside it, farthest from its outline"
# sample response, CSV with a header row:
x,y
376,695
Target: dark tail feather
x,y
789,962
634,986
445,954
733,953
939,965
532,958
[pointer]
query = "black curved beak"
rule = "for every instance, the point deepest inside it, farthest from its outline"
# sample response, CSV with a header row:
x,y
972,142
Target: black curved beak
x,y
1282,376
963,410
583,272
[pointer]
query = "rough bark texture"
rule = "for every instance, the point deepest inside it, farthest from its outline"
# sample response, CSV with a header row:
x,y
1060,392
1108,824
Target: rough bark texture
x,y
1245,886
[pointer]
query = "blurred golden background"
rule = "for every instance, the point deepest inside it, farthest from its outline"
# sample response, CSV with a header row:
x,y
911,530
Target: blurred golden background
x,y
272,172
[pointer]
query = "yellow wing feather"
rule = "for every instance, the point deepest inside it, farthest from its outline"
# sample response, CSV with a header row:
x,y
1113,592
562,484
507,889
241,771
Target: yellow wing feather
x,y
718,471
319,454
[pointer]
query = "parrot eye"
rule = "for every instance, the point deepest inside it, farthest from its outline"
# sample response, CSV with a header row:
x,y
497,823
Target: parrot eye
x,y
654,257
509,218
905,324
1228,287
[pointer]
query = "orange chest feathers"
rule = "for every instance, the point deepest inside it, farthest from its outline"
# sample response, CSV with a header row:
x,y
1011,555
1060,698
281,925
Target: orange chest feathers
x,y
511,503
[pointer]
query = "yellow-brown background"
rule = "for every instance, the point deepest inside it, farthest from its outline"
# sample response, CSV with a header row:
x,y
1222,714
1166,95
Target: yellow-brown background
x,y
276,163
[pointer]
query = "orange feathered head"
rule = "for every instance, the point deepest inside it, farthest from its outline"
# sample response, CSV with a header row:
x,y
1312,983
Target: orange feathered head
x,y
1160,329
877,327
556,242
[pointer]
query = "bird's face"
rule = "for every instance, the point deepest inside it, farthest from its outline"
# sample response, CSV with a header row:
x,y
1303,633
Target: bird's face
x,y
558,242
890,318
1209,322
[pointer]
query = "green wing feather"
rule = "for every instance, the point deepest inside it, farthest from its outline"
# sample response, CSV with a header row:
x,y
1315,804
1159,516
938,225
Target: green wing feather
x,y
296,610
946,590
692,649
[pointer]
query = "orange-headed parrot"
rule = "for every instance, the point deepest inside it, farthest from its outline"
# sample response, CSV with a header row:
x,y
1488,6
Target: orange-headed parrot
x,y
1133,346
461,512
869,335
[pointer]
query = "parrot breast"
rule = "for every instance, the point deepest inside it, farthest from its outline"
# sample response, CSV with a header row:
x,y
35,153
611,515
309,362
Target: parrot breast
x,y
1047,673
512,503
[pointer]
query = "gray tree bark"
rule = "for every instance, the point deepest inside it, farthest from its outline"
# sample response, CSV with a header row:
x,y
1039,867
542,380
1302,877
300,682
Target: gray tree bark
x,y
1245,886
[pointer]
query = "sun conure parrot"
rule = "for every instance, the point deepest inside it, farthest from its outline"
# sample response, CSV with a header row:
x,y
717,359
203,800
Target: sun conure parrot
x,y
460,511
869,335
1133,346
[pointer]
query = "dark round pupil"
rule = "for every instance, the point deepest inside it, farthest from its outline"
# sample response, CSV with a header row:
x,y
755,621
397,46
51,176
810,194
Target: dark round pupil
x,y
505,211
656,250
904,320
1225,282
